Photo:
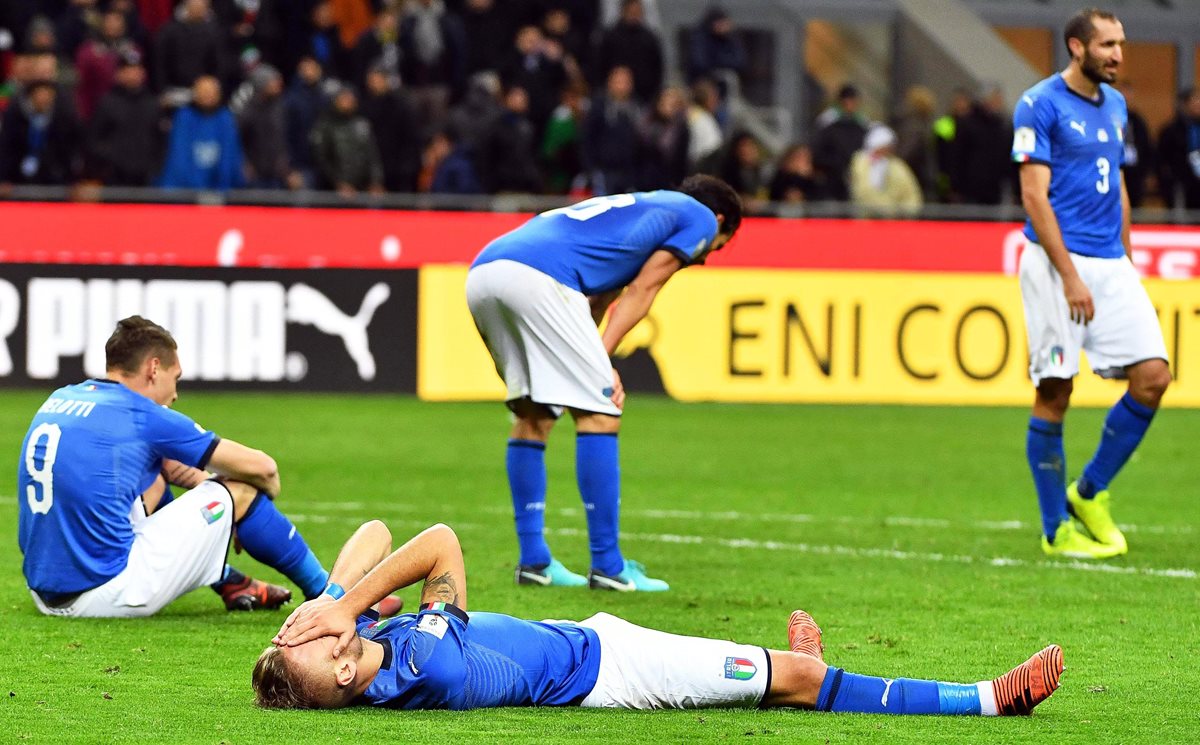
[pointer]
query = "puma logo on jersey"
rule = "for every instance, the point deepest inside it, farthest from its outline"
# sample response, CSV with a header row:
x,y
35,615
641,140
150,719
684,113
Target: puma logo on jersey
x,y
1079,127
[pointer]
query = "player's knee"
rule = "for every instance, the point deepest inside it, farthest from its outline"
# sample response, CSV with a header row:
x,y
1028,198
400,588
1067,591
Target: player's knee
x,y
1150,382
243,496
1055,394
795,679
595,423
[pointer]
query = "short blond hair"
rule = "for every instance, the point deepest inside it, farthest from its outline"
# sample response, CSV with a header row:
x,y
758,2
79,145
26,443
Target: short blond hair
x,y
277,686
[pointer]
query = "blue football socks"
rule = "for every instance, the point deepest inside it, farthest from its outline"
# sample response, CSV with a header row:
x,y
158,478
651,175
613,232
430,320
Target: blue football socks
x,y
598,473
1044,450
269,537
865,694
1124,427
526,464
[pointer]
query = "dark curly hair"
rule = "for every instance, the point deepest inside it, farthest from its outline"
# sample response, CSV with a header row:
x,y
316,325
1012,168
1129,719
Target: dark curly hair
x,y
718,196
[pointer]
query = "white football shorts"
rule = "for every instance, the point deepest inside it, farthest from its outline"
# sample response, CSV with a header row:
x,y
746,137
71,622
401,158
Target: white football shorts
x,y
642,668
1123,331
177,549
542,338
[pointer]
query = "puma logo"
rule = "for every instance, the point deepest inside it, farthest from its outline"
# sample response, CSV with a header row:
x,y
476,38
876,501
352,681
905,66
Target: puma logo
x,y
1080,127
307,305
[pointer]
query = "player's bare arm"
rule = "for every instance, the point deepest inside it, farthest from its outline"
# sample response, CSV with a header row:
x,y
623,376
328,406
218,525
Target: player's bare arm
x,y
183,475
600,303
236,461
1035,196
639,296
434,556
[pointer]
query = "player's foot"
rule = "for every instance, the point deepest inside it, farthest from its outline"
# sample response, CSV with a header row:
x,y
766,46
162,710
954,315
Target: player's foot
x,y
390,606
253,594
1028,684
631,579
1072,544
553,574
1095,515
804,635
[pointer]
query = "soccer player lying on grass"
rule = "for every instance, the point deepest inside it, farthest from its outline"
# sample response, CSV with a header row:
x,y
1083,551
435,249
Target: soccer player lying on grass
x,y
332,652
100,531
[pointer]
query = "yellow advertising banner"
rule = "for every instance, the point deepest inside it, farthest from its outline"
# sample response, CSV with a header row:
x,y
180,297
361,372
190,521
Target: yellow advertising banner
x,y
822,337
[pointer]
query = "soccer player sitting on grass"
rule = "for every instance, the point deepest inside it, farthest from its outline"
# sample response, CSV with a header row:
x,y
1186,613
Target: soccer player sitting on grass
x,y
332,652
102,535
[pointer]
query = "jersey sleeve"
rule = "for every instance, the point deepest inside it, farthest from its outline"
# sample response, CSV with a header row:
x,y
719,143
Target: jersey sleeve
x,y
694,232
1033,121
175,436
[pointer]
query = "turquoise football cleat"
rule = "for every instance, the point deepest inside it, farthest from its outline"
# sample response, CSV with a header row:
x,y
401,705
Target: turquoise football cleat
x,y
631,579
553,574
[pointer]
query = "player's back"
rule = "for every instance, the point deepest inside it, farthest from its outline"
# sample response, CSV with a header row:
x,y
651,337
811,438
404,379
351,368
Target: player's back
x,y
1082,141
83,462
600,244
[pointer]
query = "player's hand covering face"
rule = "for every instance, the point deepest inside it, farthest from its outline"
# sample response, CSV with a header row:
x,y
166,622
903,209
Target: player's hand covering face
x,y
315,619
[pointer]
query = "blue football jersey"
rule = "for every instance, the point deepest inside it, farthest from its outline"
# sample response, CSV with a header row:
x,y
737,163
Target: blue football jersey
x,y
91,450
601,243
1082,140
441,659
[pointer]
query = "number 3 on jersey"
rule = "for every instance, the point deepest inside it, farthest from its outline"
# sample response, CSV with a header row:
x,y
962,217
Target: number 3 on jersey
x,y
1103,167
40,466
589,208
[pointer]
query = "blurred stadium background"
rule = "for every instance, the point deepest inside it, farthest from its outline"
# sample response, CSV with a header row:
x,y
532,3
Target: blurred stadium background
x,y
841,375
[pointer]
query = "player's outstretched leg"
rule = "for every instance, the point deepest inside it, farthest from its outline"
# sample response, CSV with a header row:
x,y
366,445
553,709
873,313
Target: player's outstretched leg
x,y
271,538
246,593
804,635
1028,684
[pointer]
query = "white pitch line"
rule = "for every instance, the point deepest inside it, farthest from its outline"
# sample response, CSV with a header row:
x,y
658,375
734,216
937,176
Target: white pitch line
x,y
853,552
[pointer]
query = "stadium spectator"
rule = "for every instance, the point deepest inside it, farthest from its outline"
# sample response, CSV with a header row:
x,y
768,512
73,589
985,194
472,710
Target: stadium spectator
x,y
302,105
631,44
188,47
41,37
379,46
508,154
610,136
611,12
40,138
433,59
744,167
1140,159
715,49
154,14
984,143
476,114
75,23
344,148
487,33
946,146
536,65
125,134
1179,154
881,184
386,106
664,142
203,149
842,128
96,62
795,179
914,136
557,26
448,166
251,28
325,43
262,122
705,137
333,653
562,142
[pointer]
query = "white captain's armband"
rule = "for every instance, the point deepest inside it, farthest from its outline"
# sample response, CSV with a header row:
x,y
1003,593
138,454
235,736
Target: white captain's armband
x,y
1024,140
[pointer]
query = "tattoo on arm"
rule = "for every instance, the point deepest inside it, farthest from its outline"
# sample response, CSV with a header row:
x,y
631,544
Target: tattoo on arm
x,y
440,590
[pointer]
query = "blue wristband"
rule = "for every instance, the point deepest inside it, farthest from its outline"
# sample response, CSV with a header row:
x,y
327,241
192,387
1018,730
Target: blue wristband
x,y
334,590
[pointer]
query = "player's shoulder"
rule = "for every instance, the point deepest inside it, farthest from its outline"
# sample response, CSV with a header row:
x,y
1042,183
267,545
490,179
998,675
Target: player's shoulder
x,y
1045,92
667,198
1112,96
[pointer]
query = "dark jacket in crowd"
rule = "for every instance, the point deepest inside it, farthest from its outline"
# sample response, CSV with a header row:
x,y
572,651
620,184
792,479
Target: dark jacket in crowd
x,y
542,78
449,68
1179,161
456,174
397,133
663,151
263,126
125,137
710,52
346,152
508,156
302,105
983,147
488,36
186,51
475,115
1140,158
635,46
610,145
39,149
203,151
833,147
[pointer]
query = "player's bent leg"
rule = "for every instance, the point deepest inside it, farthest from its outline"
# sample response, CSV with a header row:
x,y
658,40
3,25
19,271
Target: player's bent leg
x,y
1148,381
795,680
271,538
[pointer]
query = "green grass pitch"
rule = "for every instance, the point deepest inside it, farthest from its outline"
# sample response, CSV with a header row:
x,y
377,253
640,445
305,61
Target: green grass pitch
x,y
909,533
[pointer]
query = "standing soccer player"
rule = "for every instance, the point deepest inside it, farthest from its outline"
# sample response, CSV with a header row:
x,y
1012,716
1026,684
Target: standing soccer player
x,y
537,295
1079,288
100,534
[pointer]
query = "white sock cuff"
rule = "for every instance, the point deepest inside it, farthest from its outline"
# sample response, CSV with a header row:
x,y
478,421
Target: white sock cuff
x,y
987,699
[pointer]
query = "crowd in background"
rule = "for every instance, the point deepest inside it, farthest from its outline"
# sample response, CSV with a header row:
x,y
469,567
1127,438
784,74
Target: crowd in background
x,y
473,97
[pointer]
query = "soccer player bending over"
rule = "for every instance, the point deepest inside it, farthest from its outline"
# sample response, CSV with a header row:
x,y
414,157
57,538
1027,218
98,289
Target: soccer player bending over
x,y
332,652
1078,286
101,533
537,295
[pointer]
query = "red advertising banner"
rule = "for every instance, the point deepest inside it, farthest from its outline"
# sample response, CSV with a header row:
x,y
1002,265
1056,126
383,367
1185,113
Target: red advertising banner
x,y
301,238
